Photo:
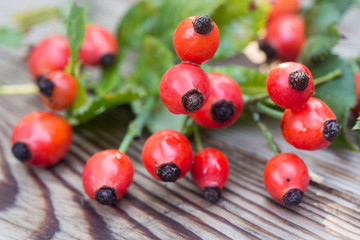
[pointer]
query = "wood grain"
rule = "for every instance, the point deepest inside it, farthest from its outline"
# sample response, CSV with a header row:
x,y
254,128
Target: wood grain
x,y
51,204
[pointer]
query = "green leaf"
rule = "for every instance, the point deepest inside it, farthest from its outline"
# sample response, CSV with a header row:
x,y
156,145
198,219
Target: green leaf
x,y
238,25
155,59
10,37
160,19
96,105
341,5
338,94
357,124
321,30
160,117
251,81
75,32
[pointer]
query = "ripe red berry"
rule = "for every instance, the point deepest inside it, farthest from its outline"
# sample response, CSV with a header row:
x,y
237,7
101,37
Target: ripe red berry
x,y
57,90
280,7
210,172
99,47
107,175
357,90
49,55
184,88
167,155
286,178
312,127
196,39
224,105
290,85
285,37
41,139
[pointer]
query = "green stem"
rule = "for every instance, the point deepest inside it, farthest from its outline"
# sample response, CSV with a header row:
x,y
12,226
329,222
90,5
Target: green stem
x,y
257,98
327,77
27,19
197,137
14,89
266,133
135,127
259,107
184,124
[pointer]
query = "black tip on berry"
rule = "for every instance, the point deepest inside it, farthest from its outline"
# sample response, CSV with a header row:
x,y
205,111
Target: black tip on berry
x,y
168,172
203,25
293,197
252,5
331,129
21,151
299,80
268,50
212,194
192,100
106,195
46,86
222,111
107,59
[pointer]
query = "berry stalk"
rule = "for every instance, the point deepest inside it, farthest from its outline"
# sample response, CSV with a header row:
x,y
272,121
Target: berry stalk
x,y
23,88
197,137
135,127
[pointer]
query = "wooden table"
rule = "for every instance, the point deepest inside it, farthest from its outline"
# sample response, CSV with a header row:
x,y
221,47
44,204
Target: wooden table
x,y
50,203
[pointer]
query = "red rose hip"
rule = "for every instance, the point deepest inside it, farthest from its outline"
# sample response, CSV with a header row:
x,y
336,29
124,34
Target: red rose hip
x,y
167,155
280,7
99,47
210,172
58,90
107,175
49,55
41,139
312,127
224,105
184,88
290,85
196,39
286,178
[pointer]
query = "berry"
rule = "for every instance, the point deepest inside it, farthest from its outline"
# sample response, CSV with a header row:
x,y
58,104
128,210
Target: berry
x,y
210,172
41,139
286,178
99,47
107,175
57,90
290,85
224,105
184,88
51,54
285,37
357,90
312,127
196,39
167,155
280,7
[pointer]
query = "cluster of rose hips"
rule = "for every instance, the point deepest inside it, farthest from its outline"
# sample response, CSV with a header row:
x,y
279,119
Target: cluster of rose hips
x,y
307,124
285,31
43,138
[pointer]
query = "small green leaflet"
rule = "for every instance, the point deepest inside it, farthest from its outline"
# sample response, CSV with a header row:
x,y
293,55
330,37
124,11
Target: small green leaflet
x,y
341,5
10,37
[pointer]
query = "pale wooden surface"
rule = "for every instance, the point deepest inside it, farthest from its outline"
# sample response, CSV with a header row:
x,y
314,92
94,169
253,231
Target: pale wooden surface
x,y
51,204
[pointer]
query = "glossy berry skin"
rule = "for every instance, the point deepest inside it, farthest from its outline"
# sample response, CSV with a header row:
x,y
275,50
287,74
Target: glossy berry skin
x,y
184,88
51,54
58,90
286,36
312,127
224,105
210,171
280,7
99,46
286,178
290,85
107,175
357,90
193,45
41,139
167,155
